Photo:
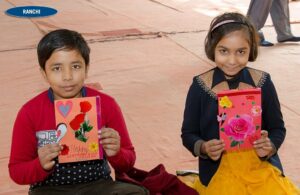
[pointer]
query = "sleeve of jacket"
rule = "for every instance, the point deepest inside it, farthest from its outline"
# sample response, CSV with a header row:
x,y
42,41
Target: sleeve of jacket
x,y
272,119
191,119
24,165
125,159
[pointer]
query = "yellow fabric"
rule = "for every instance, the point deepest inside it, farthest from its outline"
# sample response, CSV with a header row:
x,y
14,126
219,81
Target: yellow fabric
x,y
243,173
191,180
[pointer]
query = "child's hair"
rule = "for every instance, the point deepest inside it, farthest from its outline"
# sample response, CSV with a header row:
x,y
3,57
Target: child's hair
x,y
225,24
62,39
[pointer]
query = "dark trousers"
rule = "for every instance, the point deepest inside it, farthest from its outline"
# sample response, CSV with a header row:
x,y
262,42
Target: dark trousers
x,y
100,187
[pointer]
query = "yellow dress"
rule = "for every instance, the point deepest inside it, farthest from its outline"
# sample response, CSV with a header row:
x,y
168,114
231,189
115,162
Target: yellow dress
x,y
243,173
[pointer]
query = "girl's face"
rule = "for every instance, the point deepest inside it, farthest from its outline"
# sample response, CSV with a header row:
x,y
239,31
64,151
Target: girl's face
x,y
65,71
232,52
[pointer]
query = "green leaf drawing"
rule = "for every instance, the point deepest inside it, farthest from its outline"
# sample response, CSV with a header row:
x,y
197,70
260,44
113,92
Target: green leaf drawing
x,y
234,143
81,138
78,133
222,129
84,126
257,127
89,128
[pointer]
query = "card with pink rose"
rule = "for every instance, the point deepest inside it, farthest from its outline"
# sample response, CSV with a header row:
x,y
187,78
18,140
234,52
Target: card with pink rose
x,y
239,117
78,121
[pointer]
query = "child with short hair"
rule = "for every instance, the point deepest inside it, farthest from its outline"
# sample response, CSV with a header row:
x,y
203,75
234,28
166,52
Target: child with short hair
x,y
64,62
231,42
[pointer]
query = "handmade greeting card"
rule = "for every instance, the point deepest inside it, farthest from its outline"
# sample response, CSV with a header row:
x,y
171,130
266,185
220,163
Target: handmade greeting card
x,y
239,118
78,121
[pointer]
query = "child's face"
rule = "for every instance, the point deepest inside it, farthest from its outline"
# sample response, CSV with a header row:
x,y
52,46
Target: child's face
x,y
65,71
232,52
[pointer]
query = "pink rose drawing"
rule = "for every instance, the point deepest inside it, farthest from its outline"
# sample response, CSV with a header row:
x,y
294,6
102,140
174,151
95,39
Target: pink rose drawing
x,y
239,127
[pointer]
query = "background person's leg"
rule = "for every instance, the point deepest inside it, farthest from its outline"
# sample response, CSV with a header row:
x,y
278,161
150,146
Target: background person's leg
x,y
281,19
258,13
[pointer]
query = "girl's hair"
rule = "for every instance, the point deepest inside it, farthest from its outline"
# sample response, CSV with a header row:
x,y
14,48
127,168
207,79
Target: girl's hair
x,y
62,39
225,24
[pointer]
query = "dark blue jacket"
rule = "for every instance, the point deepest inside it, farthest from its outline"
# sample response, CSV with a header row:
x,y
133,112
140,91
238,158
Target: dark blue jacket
x,y
201,108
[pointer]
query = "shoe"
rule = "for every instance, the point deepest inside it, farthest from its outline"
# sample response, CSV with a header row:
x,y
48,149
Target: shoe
x,y
265,43
292,39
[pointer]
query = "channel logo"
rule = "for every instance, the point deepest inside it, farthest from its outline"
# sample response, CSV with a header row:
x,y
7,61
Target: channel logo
x,y
31,11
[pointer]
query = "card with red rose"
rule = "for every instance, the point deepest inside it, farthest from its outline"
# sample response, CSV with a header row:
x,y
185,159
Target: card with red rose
x,y
78,121
239,117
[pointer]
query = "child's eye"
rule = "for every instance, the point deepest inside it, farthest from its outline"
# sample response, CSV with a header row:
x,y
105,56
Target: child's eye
x,y
55,68
241,52
223,51
76,66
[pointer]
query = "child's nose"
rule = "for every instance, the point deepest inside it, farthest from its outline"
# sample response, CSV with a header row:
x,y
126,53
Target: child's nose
x,y
232,59
67,74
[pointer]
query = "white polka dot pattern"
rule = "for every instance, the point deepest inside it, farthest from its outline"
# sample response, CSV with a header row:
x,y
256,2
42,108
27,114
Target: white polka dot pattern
x,y
74,173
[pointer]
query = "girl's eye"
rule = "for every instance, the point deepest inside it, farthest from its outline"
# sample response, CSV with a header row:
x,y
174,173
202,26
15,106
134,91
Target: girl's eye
x,y
223,51
241,52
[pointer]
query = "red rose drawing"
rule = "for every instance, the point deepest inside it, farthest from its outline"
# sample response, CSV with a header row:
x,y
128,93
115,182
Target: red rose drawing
x,y
85,106
65,150
80,124
75,123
